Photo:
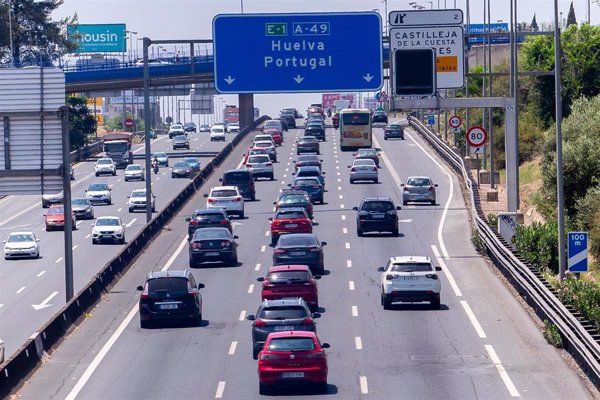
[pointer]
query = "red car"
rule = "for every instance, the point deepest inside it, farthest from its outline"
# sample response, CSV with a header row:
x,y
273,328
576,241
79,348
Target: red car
x,y
291,281
254,151
275,134
292,357
55,218
289,220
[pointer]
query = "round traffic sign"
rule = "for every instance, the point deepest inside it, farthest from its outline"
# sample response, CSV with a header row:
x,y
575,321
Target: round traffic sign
x,y
128,123
168,120
455,121
476,136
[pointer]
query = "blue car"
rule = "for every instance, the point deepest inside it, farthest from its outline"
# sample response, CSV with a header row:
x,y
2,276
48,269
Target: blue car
x,y
310,185
312,172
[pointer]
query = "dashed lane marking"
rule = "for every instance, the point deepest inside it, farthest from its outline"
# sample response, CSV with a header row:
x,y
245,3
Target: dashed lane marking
x,y
348,263
20,290
257,267
263,248
220,390
351,285
355,311
364,387
473,319
251,288
503,374
232,348
41,273
59,260
242,315
344,230
343,217
358,343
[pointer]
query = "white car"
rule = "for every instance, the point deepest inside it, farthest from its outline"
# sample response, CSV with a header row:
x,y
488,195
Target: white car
x,y
137,200
233,127
134,171
108,229
227,198
105,166
176,129
269,147
363,169
21,244
217,132
410,279
262,138
98,193
260,166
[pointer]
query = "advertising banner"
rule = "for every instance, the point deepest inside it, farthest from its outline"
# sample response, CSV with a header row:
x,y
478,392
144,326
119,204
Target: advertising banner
x,y
94,38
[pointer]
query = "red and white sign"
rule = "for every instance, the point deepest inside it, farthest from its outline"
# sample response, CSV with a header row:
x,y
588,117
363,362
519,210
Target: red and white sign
x,y
455,121
477,136
128,123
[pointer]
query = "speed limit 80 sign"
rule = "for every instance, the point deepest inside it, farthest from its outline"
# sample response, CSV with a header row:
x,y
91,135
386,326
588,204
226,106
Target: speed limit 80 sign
x,y
476,136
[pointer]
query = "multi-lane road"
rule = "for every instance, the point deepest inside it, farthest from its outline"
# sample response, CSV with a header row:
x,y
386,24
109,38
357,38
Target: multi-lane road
x,y
481,344
31,291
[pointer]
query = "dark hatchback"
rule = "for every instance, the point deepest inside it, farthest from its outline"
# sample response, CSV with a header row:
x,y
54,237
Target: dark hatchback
x,y
280,315
181,142
213,244
379,117
308,160
307,144
393,131
377,214
243,179
182,169
209,218
316,130
294,199
300,248
189,127
312,186
168,295
290,119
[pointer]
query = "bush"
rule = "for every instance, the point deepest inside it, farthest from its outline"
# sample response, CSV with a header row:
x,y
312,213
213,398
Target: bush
x,y
538,244
493,220
552,334
583,295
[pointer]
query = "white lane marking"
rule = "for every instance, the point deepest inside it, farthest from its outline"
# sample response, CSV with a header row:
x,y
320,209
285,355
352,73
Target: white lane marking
x,y
347,245
242,315
87,374
232,348
351,285
344,230
267,233
339,188
120,209
88,235
339,179
337,161
1,305
41,273
343,217
337,167
285,175
131,222
17,215
59,260
348,263
78,223
447,272
220,390
503,374
288,163
263,248
342,206
76,246
364,387
339,173
251,288
354,311
287,169
257,267
473,319
282,182
20,290
358,343
341,196
5,199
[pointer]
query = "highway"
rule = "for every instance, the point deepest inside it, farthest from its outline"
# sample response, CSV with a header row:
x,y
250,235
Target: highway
x,y
481,344
33,290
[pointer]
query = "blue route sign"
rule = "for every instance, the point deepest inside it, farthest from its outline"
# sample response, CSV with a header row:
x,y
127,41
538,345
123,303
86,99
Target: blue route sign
x,y
289,53
578,251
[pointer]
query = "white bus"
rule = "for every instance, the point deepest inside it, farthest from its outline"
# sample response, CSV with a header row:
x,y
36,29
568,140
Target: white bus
x,y
355,129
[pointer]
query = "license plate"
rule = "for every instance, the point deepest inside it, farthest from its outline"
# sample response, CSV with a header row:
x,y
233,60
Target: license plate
x,y
297,253
291,225
292,374
411,278
211,253
284,328
378,216
107,236
168,306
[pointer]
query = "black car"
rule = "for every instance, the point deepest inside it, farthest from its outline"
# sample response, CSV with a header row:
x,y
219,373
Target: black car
x,y
284,123
289,118
213,244
277,315
302,249
377,214
181,142
308,160
379,116
294,199
189,127
170,295
393,131
307,144
243,179
316,130
182,169
209,218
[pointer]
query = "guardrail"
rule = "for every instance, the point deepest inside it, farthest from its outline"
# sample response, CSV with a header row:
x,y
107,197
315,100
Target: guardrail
x,y
580,338
20,365
85,152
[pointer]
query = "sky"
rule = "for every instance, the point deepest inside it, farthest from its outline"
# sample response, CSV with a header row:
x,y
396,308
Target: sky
x,y
192,19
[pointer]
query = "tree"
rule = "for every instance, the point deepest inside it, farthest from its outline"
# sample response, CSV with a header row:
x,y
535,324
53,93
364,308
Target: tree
x,y
82,123
35,36
571,20
534,24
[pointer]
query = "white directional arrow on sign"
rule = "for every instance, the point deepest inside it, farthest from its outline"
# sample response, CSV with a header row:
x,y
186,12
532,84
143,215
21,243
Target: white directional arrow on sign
x,y
368,77
229,79
298,79
44,304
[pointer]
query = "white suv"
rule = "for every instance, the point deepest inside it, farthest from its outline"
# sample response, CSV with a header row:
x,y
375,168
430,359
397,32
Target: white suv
x,y
217,132
98,193
176,129
105,166
410,279
137,200
227,198
108,229
261,166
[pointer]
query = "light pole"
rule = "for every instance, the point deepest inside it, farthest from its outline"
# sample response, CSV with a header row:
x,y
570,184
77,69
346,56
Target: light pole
x,y
130,42
431,5
10,36
136,47
242,6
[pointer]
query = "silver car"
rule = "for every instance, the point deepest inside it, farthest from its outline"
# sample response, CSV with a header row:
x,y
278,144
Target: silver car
x,y
134,171
419,189
363,169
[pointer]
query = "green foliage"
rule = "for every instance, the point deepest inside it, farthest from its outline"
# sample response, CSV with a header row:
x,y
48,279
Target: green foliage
x,y
492,220
114,123
538,244
583,295
478,243
552,335
82,123
587,218
571,19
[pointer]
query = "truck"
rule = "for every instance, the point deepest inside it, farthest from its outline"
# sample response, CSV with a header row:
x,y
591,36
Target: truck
x,y
340,105
117,145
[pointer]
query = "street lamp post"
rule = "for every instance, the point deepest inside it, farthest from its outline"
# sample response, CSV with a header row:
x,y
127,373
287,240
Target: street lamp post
x,y
10,36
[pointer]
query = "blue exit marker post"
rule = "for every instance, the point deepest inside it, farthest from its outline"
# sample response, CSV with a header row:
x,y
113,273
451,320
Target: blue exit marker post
x,y
578,251
289,53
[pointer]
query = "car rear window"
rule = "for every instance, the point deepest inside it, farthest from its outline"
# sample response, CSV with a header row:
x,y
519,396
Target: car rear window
x,y
294,240
418,182
292,344
223,193
412,267
288,276
170,284
308,173
367,161
207,233
56,211
308,158
97,187
261,159
287,312
306,182
285,214
308,139
263,144
209,217
367,152
237,177
377,206
292,199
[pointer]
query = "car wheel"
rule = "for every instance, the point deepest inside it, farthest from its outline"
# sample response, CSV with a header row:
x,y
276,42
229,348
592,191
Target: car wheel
x,y
262,388
242,215
375,180
272,177
94,241
385,138
253,198
126,180
234,261
144,324
351,181
153,209
322,387
48,229
130,209
122,240
114,173
97,174
395,232
404,202
255,353
359,232
435,303
433,202
387,304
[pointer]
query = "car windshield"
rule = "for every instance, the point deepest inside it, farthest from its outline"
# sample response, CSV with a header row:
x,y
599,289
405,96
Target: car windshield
x,y
355,119
104,161
289,214
287,312
257,151
259,159
306,182
96,187
176,126
288,276
237,177
308,158
134,168
212,234
297,240
418,182
308,139
217,130
292,199
292,344
364,162
315,127
380,206
140,193
108,222
20,237
411,267
191,161
394,127
80,202
180,138
181,164
56,211
224,193
170,284
262,138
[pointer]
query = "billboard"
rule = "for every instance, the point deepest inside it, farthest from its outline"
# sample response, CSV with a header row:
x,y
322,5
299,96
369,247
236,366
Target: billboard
x,y
94,38
370,103
501,27
328,99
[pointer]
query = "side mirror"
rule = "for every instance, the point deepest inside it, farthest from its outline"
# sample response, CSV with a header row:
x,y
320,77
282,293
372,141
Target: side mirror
x,y
289,185
260,279
128,197
271,245
293,173
250,317
354,208
4,241
323,243
37,240
381,269
438,269
274,203
435,185
201,286
44,215
236,237
317,276
325,345
205,195
316,315
398,208
91,224
347,166
294,161
188,219
140,288
220,179
321,160
402,184
270,219
354,154
85,190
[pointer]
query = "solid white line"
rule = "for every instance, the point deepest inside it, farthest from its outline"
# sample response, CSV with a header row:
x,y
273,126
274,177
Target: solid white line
x,y
115,336
447,272
354,311
348,263
344,230
358,343
20,290
473,319
503,374
347,245
41,273
242,315
59,260
232,348
263,248
364,387
6,221
220,390
257,267
343,217
351,285
251,288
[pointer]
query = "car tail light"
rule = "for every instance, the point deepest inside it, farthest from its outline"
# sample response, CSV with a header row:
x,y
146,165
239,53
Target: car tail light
x,y
260,323
238,198
390,277
194,222
431,188
280,251
196,245
308,321
320,354
212,200
144,295
225,244
433,276
267,357
224,222
315,249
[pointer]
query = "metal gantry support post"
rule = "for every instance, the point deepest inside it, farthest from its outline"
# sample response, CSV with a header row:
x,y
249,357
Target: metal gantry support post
x,y
149,196
63,113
